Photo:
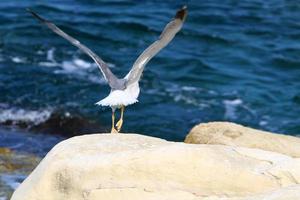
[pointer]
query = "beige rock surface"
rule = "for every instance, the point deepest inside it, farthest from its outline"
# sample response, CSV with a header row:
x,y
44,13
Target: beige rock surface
x,y
286,193
231,134
130,166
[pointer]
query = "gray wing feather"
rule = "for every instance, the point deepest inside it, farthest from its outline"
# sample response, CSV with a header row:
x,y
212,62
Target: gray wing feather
x,y
112,80
166,36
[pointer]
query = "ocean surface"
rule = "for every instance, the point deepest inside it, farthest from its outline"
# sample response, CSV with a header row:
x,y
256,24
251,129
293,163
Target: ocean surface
x,y
233,61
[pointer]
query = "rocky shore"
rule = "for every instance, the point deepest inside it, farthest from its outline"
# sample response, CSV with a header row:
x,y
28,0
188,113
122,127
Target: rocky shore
x,y
226,161
13,167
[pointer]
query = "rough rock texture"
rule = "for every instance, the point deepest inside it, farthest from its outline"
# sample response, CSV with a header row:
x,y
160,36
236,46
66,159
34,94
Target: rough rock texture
x,y
231,134
130,166
286,193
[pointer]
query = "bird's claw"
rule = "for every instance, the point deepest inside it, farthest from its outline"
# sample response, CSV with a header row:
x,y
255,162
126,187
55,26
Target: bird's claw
x,y
119,125
113,130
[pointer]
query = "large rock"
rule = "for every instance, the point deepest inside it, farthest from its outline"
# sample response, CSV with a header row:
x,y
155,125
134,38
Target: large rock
x,y
130,166
285,193
231,134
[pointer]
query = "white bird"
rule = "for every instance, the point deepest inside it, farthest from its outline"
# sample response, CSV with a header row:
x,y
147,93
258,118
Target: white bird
x,y
124,91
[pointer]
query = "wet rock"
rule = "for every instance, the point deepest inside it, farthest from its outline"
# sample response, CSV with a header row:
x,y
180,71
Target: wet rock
x,y
67,125
14,166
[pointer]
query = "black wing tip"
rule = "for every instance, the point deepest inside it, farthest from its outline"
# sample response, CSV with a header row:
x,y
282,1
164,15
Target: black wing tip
x,y
182,13
35,15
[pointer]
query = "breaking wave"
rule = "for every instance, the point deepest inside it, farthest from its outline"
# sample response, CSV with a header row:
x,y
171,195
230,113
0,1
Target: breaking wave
x,y
76,66
231,108
48,121
15,116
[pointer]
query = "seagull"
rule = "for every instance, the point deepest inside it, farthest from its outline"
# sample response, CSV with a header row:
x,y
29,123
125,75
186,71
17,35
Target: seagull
x,y
124,91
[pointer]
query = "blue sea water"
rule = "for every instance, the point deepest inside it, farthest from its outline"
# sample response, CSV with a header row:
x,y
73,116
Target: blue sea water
x,y
233,61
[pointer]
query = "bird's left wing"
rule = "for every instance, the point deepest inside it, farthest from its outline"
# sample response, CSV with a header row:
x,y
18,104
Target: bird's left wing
x,y
166,36
112,80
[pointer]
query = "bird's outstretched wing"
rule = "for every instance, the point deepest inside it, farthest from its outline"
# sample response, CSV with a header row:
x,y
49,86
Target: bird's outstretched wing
x,y
112,80
166,36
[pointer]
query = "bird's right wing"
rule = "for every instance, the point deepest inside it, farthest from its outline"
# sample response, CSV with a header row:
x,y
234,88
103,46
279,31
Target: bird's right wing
x,y
166,36
112,80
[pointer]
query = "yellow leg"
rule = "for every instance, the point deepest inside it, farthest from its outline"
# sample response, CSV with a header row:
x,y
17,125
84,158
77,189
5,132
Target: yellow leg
x,y
113,130
120,122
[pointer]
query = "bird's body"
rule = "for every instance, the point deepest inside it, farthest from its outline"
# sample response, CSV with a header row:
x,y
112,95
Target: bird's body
x,y
118,98
124,91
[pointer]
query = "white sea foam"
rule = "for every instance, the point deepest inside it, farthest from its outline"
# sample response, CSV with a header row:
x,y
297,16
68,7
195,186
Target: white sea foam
x,y
17,59
50,55
21,115
83,64
77,67
188,99
40,52
111,65
51,62
48,64
186,94
189,88
12,180
263,123
230,107
82,69
96,78
264,120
